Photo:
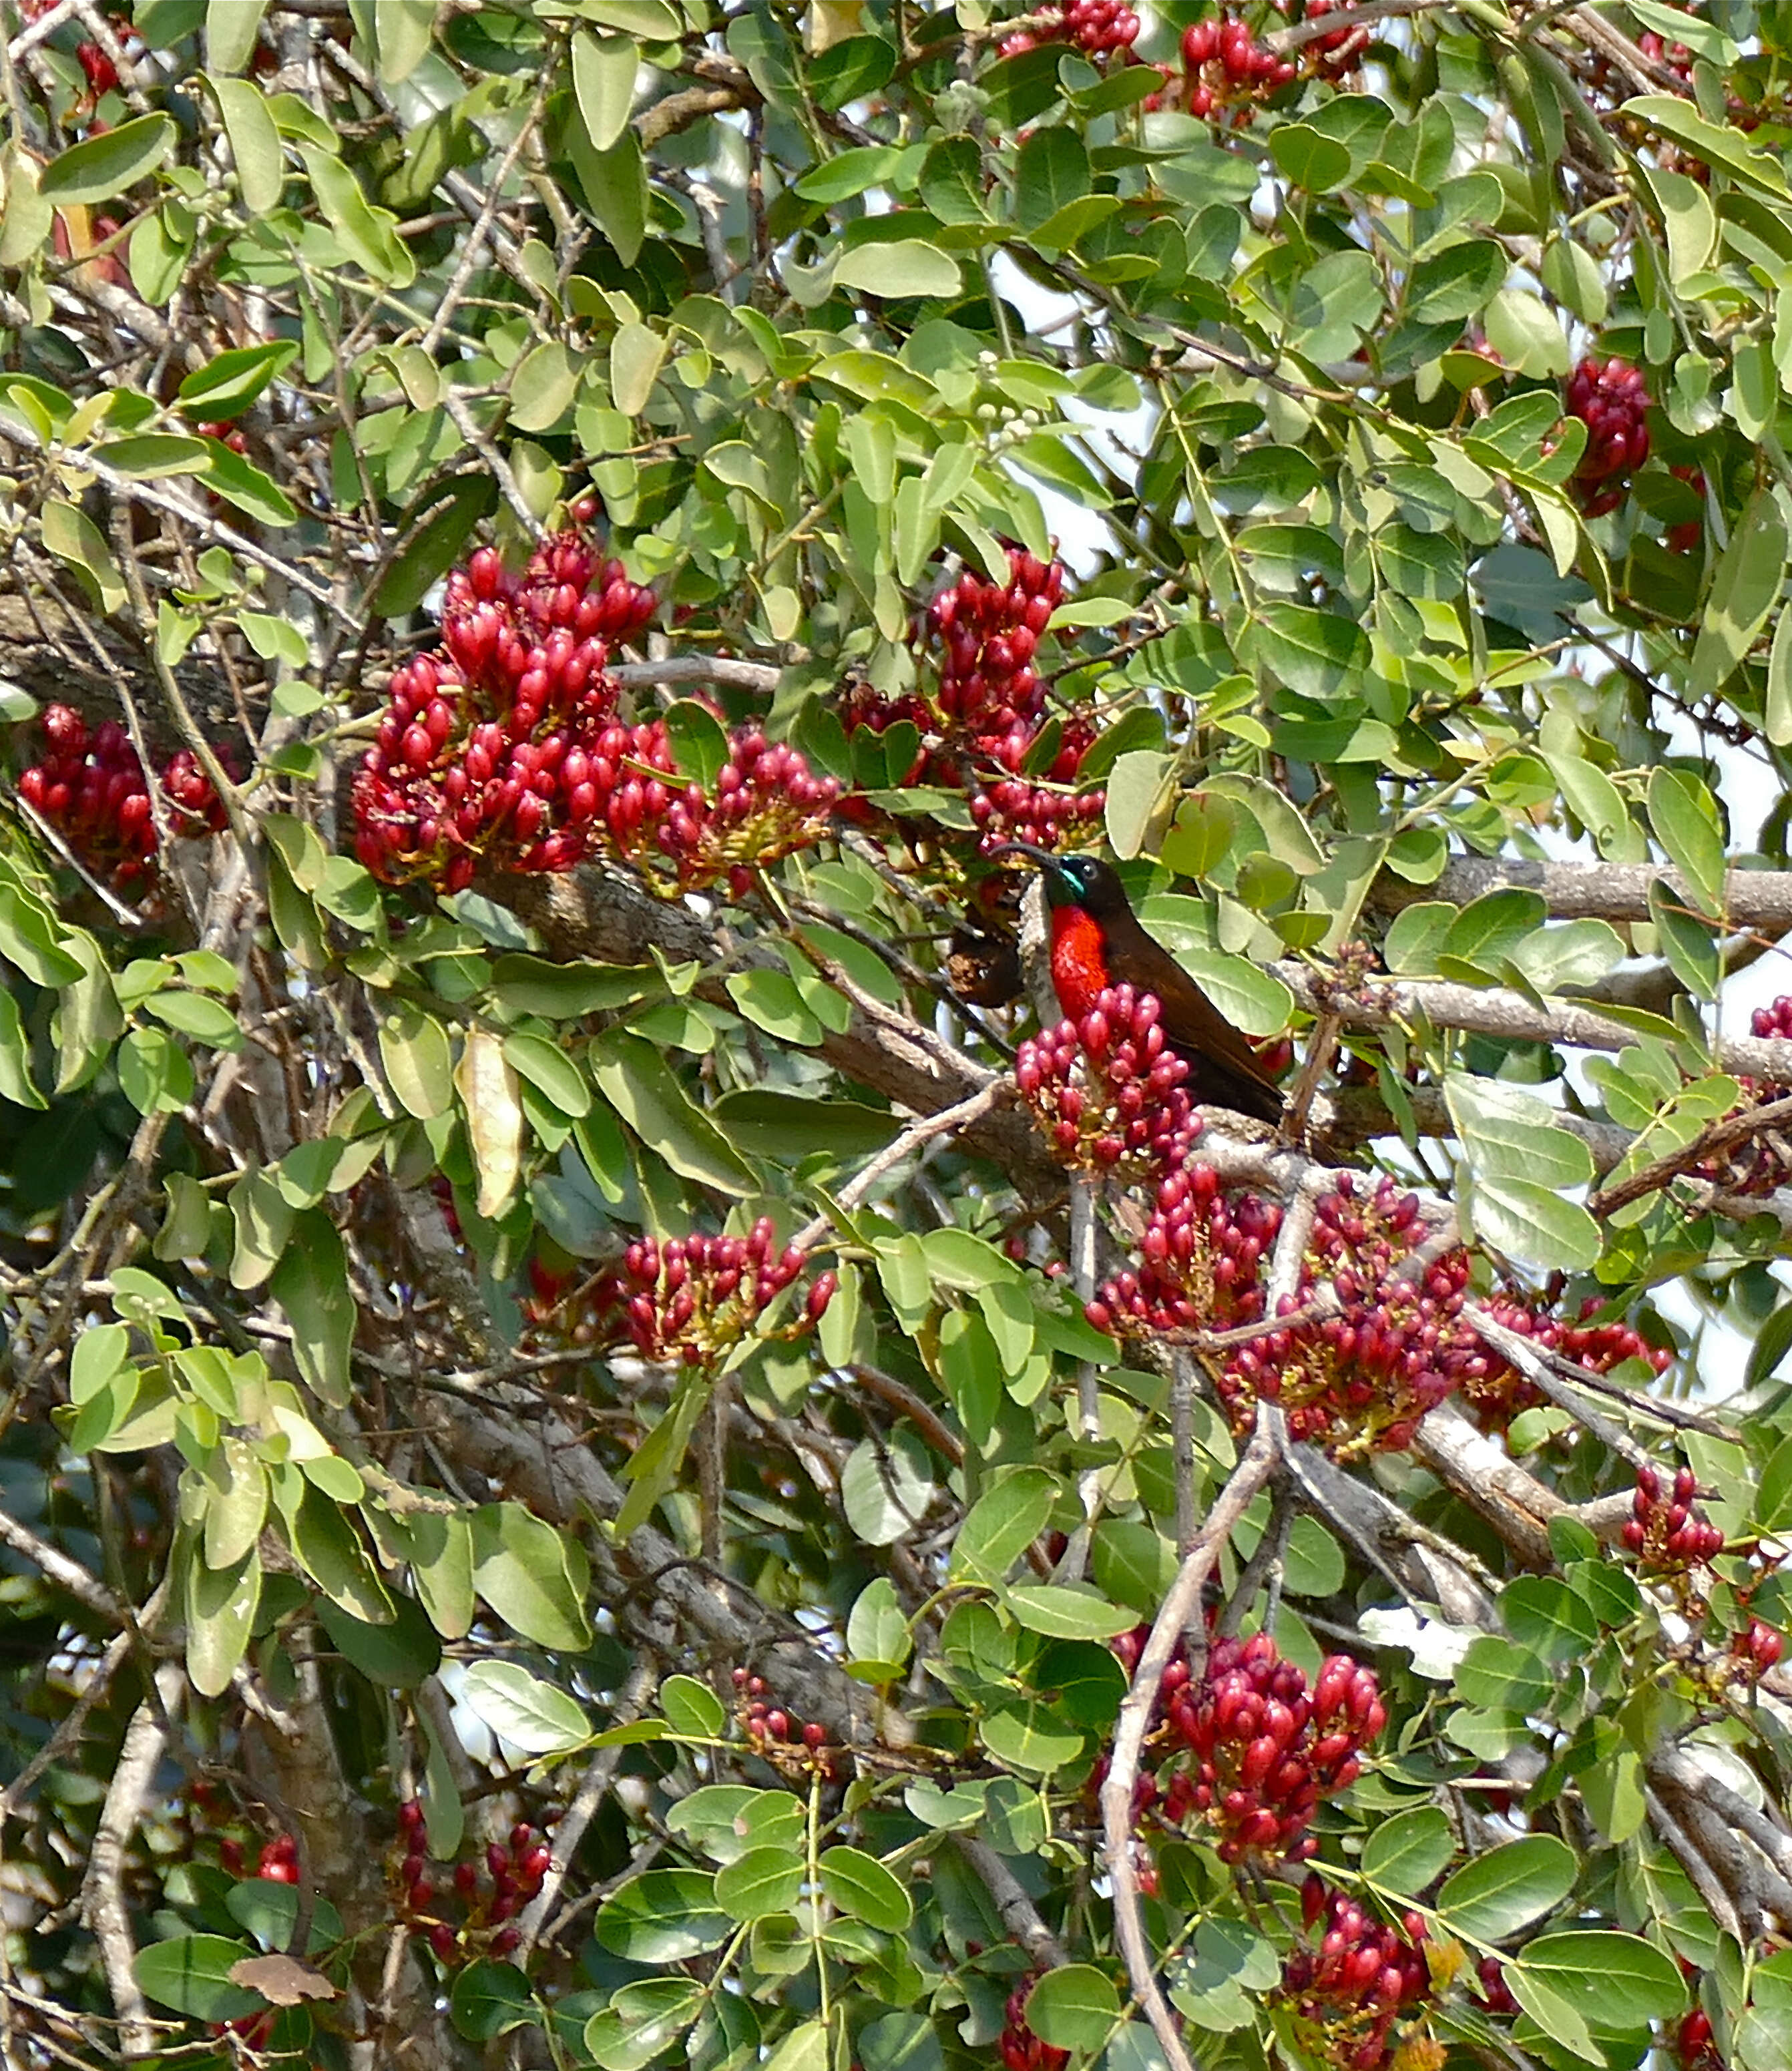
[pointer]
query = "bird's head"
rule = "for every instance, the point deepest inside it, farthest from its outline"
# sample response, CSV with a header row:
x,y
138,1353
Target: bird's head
x,y
1083,881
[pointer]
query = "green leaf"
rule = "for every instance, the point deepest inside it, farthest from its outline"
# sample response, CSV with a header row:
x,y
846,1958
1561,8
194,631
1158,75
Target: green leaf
x,y
1137,787
99,168
651,20
532,1715
154,455
1404,1854
858,1884
413,1048
876,1629
1531,1223
543,384
1052,171
225,387
569,991
640,2021
441,1568
759,1883
663,1917
1307,159
614,185
1314,653
220,1618
1508,1133
643,1089
154,1073
190,1972
1555,2015
397,1655
902,267
310,1282
535,1578
262,1221
1064,1611
1548,1617
1773,1501
1616,1982
1779,683
636,354
254,144
1495,1894
699,740
691,1707
240,483
1743,594
329,1549
852,172
1526,335
1002,1523
16,1083
403,30
551,1072
1717,145
1073,2007
237,1503
367,235
489,2000
1684,819
886,1487
231,30
74,537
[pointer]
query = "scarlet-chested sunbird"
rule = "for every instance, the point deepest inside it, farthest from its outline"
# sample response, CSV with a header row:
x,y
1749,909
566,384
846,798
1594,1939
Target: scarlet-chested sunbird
x,y
1096,942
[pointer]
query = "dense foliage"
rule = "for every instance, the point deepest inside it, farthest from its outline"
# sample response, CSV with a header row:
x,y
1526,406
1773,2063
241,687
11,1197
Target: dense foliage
x,y
624,1441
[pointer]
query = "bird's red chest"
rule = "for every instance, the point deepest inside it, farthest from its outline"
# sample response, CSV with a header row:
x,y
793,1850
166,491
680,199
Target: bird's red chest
x,y
1078,960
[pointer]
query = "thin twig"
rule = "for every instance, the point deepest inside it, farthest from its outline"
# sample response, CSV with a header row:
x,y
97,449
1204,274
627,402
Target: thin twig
x,y
1250,1477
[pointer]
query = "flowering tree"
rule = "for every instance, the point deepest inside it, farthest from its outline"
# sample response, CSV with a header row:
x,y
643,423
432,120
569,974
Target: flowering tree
x,y
625,1440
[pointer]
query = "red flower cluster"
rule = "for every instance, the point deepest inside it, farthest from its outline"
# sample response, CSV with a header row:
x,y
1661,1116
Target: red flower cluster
x,y
1262,1745
1757,1648
92,789
1498,1391
1223,66
1610,399
1360,1379
1352,1984
101,73
487,1894
1095,26
981,727
1495,1994
775,1735
1670,1535
469,759
989,632
1108,1089
277,1862
1012,809
1693,2044
1203,1253
693,1299
1020,2049
1365,1345
1671,57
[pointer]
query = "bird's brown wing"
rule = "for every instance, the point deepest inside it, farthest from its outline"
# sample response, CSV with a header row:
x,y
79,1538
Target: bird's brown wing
x,y
1224,1069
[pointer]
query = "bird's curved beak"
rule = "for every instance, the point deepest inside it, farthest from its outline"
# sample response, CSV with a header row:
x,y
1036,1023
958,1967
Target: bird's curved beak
x,y
1042,856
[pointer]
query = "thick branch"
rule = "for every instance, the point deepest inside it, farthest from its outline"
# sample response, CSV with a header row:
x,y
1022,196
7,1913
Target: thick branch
x,y
1591,891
